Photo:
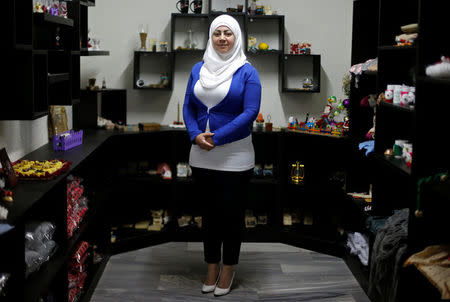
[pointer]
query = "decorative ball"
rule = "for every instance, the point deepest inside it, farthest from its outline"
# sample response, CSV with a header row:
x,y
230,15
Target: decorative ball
x,y
263,46
346,103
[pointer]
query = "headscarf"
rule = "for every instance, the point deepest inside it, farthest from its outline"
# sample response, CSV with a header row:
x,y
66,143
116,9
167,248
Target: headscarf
x,y
217,67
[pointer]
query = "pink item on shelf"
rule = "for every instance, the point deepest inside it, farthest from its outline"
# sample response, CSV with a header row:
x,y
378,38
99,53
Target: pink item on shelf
x,y
67,140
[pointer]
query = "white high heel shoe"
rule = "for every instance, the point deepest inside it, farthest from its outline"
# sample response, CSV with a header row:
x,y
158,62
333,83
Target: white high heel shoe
x,y
223,291
210,288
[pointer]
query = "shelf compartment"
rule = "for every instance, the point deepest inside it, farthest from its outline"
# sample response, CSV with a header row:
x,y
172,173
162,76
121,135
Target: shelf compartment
x,y
181,23
59,92
140,240
393,122
268,29
39,282
295,68
396,165
390,22
150,66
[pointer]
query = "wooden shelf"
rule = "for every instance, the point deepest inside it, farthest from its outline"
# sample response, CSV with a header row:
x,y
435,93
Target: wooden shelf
x,y
264,181
265,52
264,17
234,14
391,106
58,77
153,53
189,51
87,3
41,18
396,48
434,80
190,15
396,165
298,90
86,52
152,88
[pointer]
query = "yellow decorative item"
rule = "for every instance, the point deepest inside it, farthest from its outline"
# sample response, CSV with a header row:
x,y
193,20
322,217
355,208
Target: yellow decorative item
x,y
31,169
263,46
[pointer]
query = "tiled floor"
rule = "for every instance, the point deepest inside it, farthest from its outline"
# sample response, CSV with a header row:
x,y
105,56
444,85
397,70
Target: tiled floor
x,y
266,272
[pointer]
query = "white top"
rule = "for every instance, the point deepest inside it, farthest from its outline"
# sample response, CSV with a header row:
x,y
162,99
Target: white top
x,y
235,156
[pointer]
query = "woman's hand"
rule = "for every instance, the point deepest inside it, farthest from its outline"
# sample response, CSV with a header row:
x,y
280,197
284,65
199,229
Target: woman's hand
x,y
204,141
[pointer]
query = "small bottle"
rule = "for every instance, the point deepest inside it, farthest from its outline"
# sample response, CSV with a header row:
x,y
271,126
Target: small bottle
x,y
103,84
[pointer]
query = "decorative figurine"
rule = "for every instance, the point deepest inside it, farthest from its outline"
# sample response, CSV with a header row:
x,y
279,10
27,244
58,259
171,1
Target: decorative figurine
x,y
294,48
259,122
54,9
305,48
38,7
63,9
252,44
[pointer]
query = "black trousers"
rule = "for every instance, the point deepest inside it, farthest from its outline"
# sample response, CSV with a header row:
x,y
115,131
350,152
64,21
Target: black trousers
x,y
223,196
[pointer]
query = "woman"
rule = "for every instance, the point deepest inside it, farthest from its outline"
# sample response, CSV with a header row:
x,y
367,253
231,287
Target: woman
x,y
222,100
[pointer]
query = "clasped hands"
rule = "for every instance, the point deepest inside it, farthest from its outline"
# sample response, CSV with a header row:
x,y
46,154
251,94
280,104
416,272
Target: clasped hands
x,y
204,141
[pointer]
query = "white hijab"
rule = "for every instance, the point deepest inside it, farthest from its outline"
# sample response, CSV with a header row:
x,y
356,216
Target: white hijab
x,y
217,67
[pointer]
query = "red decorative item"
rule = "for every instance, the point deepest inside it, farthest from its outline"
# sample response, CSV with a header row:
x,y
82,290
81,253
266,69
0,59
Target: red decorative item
x,y
294,48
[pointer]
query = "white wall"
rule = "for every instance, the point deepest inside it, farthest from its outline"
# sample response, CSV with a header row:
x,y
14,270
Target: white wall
x,y
22,137
326,24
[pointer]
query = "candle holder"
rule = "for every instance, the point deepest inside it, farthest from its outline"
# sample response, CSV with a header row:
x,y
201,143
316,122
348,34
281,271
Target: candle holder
x,y
297,173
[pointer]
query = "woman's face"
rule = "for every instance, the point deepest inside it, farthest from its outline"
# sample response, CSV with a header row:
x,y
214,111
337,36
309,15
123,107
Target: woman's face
x,y
223,39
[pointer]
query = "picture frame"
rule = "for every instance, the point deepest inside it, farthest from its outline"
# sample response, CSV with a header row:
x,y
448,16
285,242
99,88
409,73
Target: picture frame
x,y
8,170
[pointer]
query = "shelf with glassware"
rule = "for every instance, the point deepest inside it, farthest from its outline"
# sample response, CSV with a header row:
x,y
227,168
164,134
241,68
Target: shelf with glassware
x,y
189,32
299,73
89,45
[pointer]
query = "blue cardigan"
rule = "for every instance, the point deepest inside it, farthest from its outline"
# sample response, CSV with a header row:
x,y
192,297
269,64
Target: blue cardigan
x,y
231,118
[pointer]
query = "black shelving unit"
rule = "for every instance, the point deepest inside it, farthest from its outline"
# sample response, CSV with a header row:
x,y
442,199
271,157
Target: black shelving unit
x,y
46,52
270,27
395,183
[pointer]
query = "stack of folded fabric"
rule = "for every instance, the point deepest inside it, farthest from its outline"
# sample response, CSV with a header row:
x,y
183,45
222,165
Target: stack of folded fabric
x,y
409,35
